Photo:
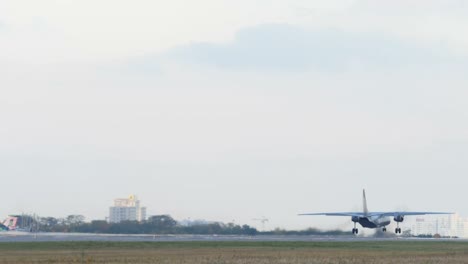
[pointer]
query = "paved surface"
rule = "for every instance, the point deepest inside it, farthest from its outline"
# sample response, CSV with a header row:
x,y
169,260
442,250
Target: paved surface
x,y
44,237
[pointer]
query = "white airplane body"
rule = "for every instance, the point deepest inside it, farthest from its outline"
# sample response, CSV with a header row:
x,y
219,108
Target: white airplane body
x,y
375,219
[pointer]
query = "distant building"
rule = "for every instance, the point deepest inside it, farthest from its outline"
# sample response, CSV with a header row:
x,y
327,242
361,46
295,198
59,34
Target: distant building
x,y
445,225
127,209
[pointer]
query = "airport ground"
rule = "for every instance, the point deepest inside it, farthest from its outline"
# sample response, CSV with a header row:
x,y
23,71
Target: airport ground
x,y
237,252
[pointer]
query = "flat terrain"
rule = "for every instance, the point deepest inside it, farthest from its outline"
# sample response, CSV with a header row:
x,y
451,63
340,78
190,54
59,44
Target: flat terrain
x,y
235,252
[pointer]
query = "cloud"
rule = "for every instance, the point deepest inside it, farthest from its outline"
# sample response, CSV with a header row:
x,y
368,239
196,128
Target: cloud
x,y
285,47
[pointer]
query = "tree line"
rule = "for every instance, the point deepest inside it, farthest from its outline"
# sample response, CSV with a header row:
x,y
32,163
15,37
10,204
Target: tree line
x,y
157,224
161,224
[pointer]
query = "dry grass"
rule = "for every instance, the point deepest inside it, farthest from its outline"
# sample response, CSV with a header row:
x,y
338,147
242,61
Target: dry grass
x,y
237,253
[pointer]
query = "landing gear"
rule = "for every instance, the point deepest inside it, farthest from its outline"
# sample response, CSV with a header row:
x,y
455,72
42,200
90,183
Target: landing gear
x,y
355,230
384,229
397,229
398,219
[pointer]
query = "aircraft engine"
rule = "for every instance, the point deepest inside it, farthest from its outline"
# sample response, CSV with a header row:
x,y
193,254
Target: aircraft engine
x,y
355,219
398,218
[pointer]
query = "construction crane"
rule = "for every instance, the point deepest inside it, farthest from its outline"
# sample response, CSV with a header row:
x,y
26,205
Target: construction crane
x,y
262,220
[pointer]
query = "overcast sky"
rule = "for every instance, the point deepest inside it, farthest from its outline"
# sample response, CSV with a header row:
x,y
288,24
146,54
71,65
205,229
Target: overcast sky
x,y
233,110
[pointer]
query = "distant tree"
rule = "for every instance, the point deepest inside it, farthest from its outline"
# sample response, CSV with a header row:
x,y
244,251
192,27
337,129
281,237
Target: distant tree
x,y
47,224
74,219
48,221
72,223
247,230
62,221
160,224
278,231
126,227
406,233
204,229
156,224
99,226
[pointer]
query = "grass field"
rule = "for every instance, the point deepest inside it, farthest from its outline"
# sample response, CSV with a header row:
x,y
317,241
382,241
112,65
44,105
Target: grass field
x,y
235,252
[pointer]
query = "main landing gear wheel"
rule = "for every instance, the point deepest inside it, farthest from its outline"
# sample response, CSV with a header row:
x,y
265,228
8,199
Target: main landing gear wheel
x,y
355,230
384,229
397,229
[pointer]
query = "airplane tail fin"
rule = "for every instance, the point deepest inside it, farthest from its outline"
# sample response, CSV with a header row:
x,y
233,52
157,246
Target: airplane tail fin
x,y
364,202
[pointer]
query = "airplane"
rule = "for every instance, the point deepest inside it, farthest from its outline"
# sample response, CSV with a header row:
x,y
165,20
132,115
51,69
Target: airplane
x,y
375,219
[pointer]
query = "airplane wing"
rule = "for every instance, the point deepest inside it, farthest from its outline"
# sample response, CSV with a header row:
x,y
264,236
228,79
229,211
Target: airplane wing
x,y
360,214
366,213
403,213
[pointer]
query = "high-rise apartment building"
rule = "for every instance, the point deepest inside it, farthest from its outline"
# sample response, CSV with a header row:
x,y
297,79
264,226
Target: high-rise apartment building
x,y
445,225
127,209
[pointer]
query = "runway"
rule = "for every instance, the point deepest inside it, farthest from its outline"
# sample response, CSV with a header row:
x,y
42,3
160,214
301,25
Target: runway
x,y
57,237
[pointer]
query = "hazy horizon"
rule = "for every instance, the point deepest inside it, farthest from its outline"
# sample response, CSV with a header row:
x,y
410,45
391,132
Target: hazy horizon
x,y
224,110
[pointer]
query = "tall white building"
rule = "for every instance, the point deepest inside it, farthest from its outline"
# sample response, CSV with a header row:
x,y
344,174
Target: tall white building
x,y
127,209
445,225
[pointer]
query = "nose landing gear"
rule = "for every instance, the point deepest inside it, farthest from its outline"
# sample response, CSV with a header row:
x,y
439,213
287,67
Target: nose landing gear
x,y
384,229
355,230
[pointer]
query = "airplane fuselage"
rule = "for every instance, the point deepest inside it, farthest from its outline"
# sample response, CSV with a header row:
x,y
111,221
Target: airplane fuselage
x,y
374,221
